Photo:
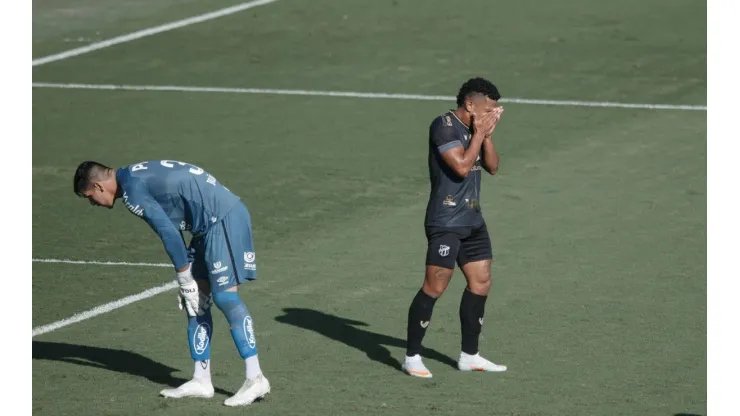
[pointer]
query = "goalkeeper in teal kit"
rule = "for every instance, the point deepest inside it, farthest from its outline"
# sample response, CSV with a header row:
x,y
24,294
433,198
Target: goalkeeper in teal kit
x,y
173,197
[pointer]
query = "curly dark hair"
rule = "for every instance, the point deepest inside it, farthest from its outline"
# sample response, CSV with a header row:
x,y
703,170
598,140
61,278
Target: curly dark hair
x,y
477,86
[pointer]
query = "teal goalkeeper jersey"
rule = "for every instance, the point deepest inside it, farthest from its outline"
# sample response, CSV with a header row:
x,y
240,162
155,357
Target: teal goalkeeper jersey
x,y
173,197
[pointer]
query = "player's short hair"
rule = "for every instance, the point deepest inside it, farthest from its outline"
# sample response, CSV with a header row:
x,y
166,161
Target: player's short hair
x,y
87,173
477,86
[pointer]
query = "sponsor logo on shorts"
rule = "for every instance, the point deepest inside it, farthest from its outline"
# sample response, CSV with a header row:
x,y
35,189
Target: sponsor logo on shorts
x,y
444,250
249,332
249,261
200,338
217,268
223,280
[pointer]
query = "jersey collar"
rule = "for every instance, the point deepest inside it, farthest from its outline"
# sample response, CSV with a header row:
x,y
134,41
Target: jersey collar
x,y
458,119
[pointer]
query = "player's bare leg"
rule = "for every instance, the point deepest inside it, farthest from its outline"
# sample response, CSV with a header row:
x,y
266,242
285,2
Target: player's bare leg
x,y
436,280
200,330
472,308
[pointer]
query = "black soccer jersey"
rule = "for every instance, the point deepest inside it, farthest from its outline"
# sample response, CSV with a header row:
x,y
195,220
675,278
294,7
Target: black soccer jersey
x,y
453,201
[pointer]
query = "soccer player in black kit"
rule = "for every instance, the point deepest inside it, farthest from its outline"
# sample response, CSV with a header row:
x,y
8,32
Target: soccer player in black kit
x,y
460,146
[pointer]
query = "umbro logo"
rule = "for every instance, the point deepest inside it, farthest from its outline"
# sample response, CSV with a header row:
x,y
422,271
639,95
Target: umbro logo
x,y
424,324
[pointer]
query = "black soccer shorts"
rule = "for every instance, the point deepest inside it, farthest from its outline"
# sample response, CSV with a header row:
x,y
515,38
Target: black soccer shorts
x,y
461,244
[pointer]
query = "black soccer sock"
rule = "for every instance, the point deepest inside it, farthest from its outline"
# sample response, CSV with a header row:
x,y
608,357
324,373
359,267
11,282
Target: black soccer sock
x,y
420,313
472,307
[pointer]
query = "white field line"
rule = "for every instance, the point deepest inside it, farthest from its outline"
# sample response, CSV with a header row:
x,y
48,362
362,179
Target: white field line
x,y
102,263
351,94
99,310
150,31
110,306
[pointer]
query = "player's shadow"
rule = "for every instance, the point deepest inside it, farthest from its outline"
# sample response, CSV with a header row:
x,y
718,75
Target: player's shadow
x,y
112,360
346,331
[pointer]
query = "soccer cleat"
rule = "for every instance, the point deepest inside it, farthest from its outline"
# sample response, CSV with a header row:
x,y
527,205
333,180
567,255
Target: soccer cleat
x,y
413,366
193,388
475,362
251,390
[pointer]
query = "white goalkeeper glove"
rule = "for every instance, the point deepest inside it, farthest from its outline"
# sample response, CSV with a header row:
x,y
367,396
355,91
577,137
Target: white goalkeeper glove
x,y
189,297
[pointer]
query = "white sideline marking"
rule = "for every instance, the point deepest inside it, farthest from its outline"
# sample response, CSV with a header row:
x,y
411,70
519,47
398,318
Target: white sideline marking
x,y
102,263
150,31
99,310
110,306
350,94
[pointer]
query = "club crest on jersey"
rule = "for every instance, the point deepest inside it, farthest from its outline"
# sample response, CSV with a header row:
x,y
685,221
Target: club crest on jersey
x,y
200,338
444,250
449,201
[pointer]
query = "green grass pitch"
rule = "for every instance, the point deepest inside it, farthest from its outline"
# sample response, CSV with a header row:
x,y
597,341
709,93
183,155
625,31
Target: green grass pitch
x,y
598,215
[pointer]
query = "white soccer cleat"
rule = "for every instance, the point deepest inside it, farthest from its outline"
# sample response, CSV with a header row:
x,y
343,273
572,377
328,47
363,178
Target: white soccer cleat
x,y
413,366
475,362
193,388
251,390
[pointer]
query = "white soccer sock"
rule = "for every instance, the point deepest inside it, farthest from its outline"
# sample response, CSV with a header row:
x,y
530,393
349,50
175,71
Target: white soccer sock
x,y
414,358
202,370
253,367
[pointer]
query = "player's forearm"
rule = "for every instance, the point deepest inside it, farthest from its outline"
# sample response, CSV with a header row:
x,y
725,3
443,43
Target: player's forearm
x,y
490,156
176,250
178,256
470,155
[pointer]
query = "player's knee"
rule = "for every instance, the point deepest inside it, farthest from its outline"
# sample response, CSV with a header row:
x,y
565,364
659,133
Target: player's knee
x,y
227,301
436,281
434,291
480,286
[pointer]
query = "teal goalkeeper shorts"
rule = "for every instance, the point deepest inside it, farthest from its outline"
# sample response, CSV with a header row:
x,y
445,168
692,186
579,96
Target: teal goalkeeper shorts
x,y
225,254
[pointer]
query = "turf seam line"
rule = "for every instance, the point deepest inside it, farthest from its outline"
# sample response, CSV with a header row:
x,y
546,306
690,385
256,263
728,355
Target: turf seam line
x,y
149,32
352,94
